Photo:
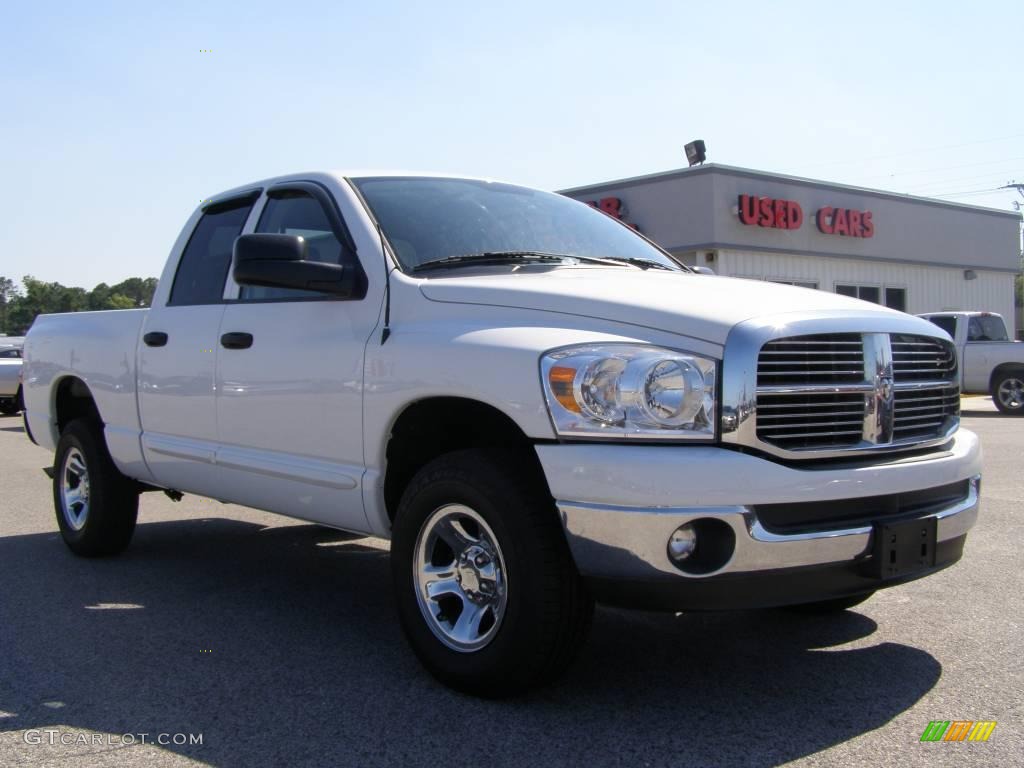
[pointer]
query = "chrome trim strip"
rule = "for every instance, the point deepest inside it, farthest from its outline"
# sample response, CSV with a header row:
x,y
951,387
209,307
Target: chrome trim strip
x,y
878,408
813,389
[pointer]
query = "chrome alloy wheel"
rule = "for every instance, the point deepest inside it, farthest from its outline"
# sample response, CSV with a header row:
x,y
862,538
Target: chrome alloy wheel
x,y
1011,393
74,489
459,575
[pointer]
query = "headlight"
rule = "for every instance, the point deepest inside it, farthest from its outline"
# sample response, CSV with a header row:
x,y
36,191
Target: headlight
x,y
630,391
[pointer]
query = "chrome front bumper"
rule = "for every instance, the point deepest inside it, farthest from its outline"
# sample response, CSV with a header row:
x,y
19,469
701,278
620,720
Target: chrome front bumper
x,y
620,504
616,542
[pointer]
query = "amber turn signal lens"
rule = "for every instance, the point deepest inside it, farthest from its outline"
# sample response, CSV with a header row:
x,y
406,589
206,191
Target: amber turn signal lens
x,y
560,379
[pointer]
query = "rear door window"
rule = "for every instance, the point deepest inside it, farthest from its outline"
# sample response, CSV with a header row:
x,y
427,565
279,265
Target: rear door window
x,y
204,264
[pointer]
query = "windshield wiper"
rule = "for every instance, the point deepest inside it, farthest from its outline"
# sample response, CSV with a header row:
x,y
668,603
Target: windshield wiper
x,y
491,257
636,262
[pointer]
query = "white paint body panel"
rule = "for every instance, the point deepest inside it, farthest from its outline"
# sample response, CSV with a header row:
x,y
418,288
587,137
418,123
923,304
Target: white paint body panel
x,y
299,423
100,349
655,476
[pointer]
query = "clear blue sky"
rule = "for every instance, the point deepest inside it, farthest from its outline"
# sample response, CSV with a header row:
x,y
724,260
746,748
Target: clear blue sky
x,y
115,124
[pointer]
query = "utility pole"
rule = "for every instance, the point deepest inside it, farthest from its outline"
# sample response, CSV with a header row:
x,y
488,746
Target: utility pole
x,y
1019,287
1014,185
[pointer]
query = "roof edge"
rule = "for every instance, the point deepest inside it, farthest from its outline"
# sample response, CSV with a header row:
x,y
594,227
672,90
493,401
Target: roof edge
x,y
731,170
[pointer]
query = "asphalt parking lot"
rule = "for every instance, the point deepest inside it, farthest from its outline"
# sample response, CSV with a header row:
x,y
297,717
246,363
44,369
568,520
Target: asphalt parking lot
x,y
277,643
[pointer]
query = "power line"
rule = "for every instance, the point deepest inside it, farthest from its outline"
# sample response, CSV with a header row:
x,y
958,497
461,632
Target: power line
x,y
968,192
993,176
904,154
943,168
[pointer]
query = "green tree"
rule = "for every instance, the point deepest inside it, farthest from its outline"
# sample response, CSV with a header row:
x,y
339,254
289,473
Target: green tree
x,y
19,311
8,291
138,289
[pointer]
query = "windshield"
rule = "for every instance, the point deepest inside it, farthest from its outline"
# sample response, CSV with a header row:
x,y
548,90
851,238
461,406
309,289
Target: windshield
x,y
427,219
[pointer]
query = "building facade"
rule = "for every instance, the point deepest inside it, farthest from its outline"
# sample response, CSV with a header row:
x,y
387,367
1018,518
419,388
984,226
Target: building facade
x,y
910,253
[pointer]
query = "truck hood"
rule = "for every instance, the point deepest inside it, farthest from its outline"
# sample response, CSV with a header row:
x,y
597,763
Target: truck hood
x,y
704,307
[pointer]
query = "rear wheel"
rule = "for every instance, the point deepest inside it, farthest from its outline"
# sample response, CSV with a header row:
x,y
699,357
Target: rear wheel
x,y
834,605
96,505
487,592
1008,393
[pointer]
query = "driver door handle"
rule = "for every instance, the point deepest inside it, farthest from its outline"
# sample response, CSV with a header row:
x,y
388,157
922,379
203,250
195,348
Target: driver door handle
x,y
236,340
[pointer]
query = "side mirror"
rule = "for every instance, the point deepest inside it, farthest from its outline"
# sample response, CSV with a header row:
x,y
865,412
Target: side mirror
x,y
279,261
703,270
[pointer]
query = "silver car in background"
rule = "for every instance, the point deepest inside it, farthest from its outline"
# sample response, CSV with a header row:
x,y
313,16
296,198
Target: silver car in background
x,y
10,374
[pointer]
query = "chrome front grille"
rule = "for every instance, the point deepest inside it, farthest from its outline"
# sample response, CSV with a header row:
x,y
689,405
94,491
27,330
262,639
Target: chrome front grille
x,y
921,413
810,419
919,358
819,359
843,391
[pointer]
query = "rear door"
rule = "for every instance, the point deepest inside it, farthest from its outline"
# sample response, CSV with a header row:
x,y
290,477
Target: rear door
x,y
289,395
178,354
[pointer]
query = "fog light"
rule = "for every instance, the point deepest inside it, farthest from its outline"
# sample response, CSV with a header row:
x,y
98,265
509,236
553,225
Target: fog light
x,y
682,542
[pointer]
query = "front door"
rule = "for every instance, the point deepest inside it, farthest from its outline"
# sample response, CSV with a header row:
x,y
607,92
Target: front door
x,y
289,394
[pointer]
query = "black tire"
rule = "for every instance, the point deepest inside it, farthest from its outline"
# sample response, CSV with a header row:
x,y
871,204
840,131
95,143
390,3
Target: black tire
x,y
9,407
1008,393
103,525
547,610
834,605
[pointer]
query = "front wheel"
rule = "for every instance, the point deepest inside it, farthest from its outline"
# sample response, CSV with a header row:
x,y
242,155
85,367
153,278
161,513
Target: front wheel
x,y
1008,393
96,505
487,592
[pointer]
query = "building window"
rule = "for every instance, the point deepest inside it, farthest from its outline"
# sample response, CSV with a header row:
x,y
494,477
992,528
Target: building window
x,y
894,298
797,283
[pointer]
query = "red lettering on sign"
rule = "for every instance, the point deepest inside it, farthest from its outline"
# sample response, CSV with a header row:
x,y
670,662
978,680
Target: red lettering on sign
x,y
612,206
781,222
794,215
825,220
748,209
869,227
846,222
840,225
770,212
855,229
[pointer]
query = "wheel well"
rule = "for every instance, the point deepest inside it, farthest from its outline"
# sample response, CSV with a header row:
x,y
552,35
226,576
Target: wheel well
x,y
438,425
1004,368
74,401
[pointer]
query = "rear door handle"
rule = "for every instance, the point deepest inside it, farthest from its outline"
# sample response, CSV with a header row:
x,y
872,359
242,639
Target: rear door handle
x,y
236,340
155,339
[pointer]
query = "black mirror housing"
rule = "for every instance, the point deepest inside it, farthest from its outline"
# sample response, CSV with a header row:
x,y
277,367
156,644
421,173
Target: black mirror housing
x,y
280,261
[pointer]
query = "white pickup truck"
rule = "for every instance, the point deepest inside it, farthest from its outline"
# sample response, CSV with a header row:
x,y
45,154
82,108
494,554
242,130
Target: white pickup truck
x,y
990,363
535,404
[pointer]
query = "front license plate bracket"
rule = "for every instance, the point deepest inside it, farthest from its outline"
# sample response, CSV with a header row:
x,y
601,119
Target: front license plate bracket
x,y
902,549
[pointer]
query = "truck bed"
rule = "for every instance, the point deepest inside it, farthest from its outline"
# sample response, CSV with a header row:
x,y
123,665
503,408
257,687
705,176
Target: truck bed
x,y
100,348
